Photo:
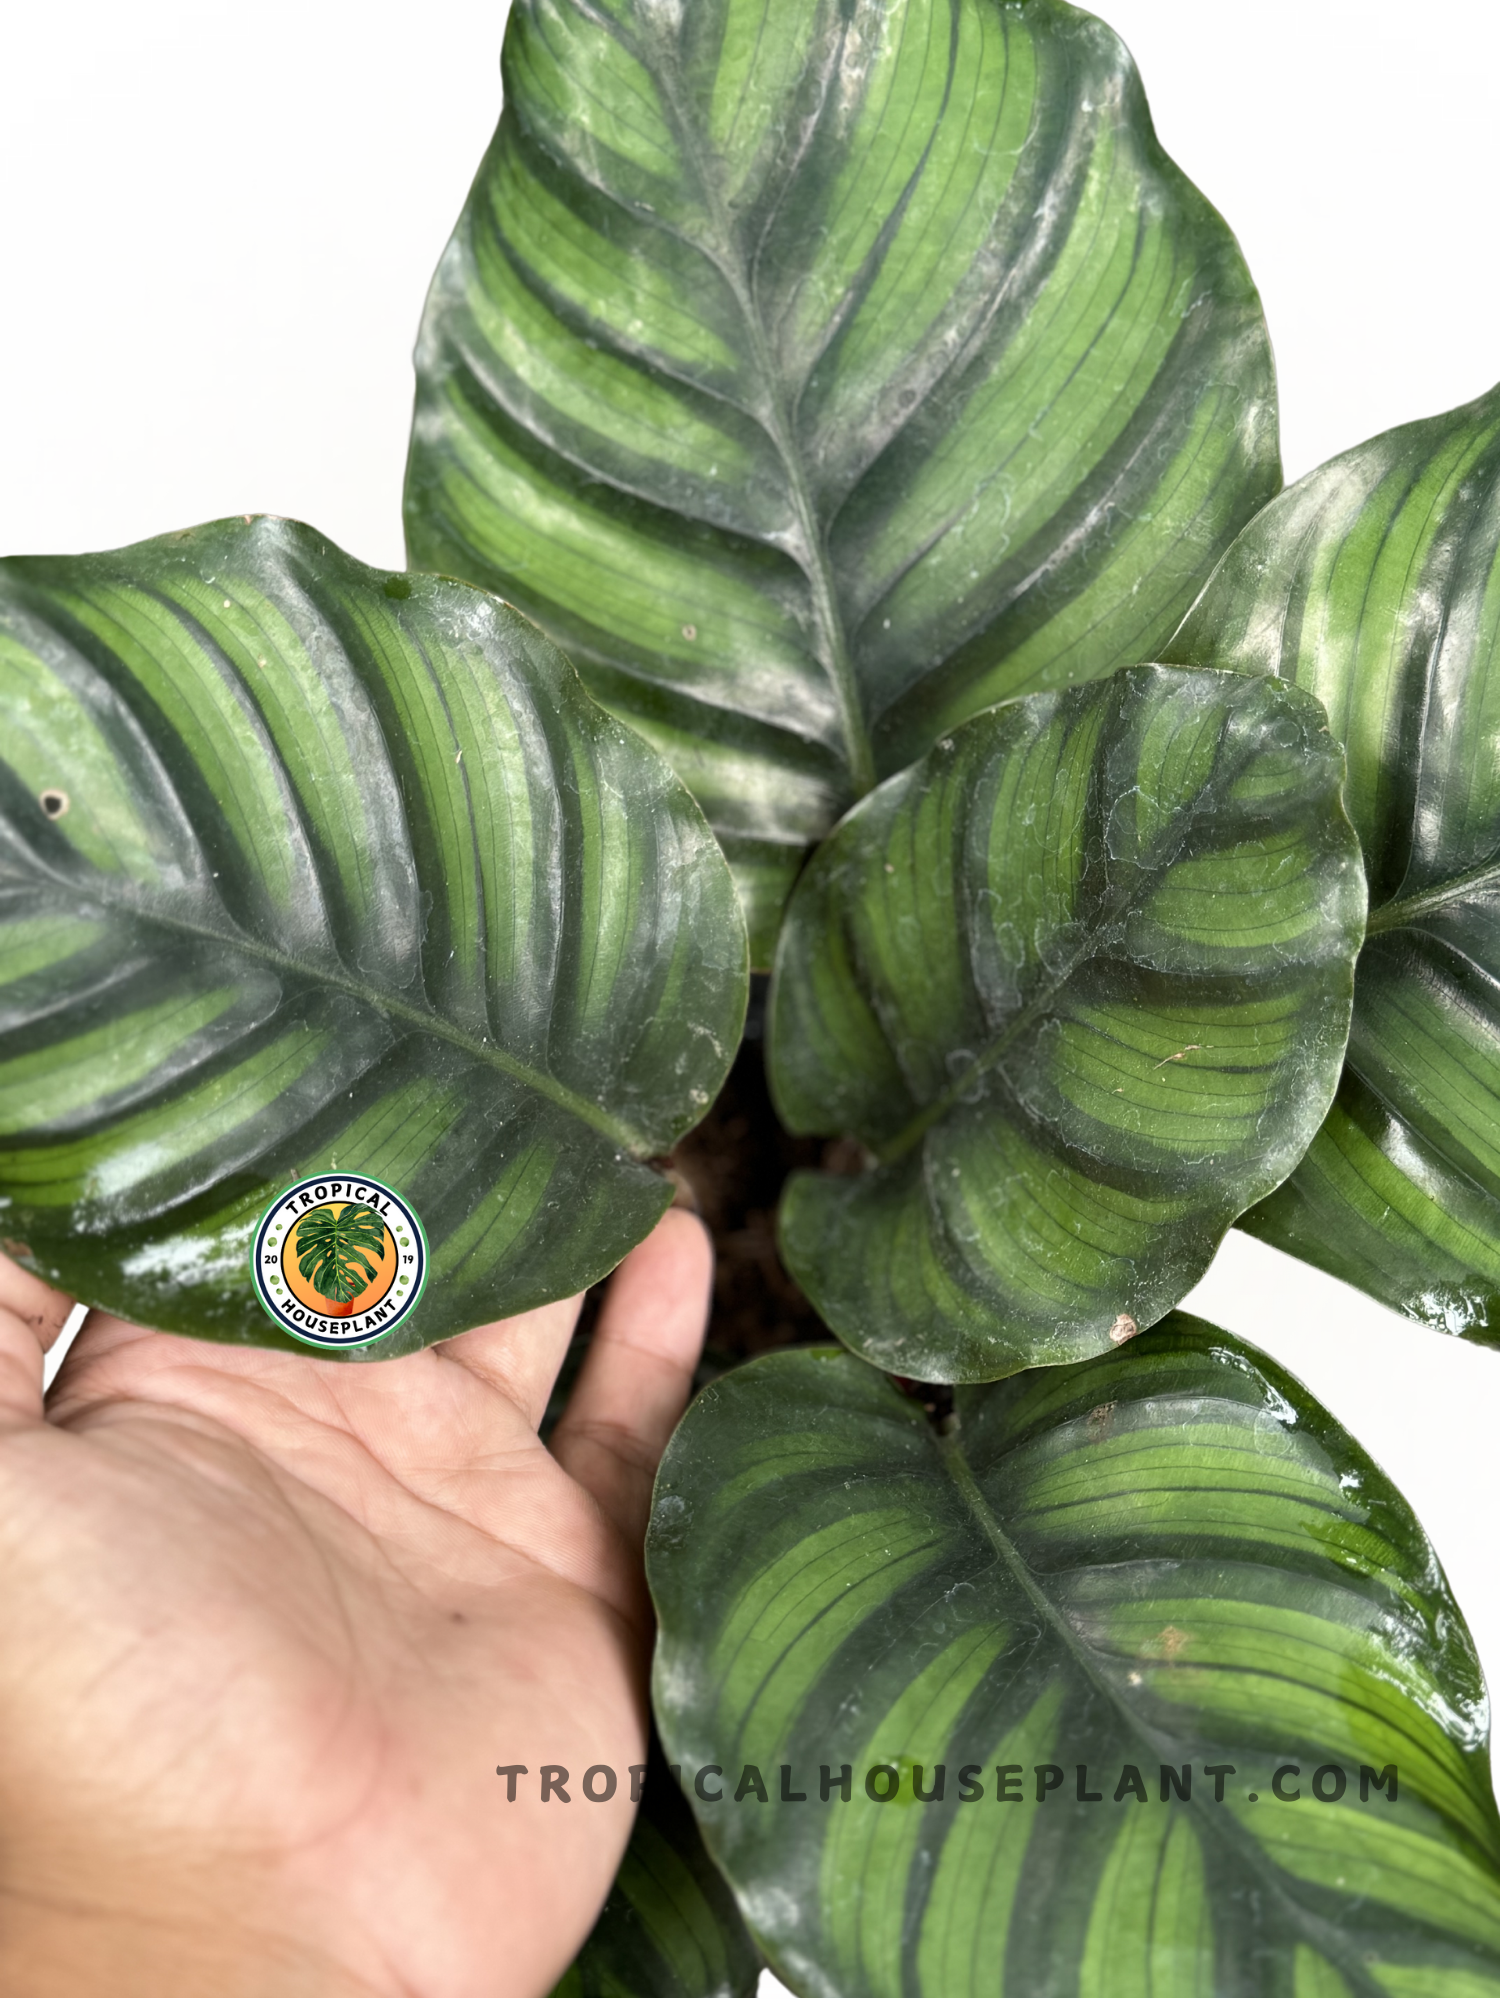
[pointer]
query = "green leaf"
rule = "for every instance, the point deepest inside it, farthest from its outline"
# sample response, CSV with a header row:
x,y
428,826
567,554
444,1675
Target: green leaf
x,y
1080,983
331,1246
671,1925
820,374
1169,1557
304,867
1375,584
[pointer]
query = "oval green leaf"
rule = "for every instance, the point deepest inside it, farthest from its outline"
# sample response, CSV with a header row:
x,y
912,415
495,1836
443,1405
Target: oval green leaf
x,y
306,867
671,1927
1160,1572
821,374
1375,584
1080,983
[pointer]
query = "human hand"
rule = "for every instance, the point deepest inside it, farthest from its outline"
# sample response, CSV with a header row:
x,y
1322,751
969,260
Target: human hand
x,y
271,1622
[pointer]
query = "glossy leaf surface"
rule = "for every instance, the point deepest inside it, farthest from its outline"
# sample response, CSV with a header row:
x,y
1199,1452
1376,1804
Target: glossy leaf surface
x,y
819,374
307,868
1080,982
1166,1558
1375,583
671,1925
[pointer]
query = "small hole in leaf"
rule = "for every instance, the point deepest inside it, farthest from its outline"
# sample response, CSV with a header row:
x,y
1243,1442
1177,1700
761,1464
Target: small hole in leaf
x,y
54,803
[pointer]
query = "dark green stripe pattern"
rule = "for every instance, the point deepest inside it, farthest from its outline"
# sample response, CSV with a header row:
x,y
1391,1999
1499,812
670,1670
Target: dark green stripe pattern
x,y
671,1926
820,372
1375,584
1079,982
1165,1560
305,867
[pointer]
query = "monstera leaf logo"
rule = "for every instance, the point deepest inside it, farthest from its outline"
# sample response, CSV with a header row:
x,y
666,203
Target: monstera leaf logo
x,y
335,1249
339,1260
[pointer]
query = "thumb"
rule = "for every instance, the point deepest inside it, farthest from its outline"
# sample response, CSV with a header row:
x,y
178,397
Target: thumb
x,y
32,1315
638,1375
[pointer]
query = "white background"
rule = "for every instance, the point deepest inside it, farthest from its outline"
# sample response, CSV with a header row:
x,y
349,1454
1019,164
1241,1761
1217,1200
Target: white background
x,y
216,227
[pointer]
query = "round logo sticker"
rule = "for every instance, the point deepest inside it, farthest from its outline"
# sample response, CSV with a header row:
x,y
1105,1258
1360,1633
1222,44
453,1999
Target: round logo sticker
x,y
338,1260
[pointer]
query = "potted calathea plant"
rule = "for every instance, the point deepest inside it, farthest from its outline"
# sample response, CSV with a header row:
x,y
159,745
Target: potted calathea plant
x,y
885,430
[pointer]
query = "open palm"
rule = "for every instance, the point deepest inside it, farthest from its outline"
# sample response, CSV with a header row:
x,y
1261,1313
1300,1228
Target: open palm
x,y
271,1622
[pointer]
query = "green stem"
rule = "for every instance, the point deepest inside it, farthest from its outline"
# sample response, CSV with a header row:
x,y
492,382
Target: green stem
x,y
1391,916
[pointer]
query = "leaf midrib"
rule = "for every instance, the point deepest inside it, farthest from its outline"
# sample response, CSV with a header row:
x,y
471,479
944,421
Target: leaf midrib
x,y
917,1127
422,1018
812,558
1128,895
1110,910
956,1465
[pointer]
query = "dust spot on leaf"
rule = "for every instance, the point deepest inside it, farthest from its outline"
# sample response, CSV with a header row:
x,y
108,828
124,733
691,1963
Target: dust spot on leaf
x,y
1169,1642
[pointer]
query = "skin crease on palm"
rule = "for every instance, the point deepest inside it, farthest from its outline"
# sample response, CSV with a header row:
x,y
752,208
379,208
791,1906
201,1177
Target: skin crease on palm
x,y
272,1622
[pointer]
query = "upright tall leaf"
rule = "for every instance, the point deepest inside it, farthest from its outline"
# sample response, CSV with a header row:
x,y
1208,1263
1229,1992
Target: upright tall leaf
x,y
1138,1675
1080,982
306,867
1375,584
820,372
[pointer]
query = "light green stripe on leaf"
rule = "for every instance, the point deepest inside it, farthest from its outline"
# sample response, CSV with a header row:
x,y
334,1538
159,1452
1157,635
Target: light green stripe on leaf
x,y
1374,583
1062,1671
821,376
349,874
1079,981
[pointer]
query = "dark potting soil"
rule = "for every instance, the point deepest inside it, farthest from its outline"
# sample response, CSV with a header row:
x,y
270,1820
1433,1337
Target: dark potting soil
x,y
730,1169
